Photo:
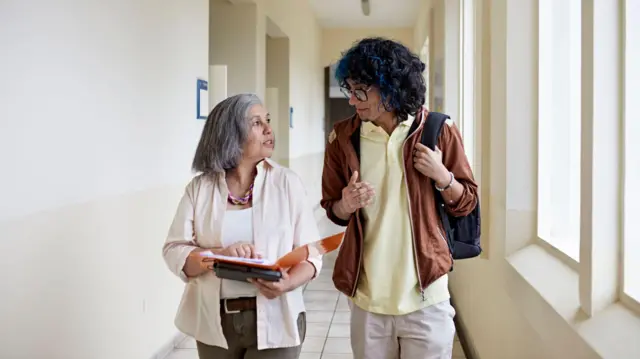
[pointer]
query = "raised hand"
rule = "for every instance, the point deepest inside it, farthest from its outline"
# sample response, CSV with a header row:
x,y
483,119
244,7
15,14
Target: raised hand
x,y
357,194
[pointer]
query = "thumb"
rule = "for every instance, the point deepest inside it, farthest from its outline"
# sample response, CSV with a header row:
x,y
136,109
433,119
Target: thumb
x,y
438,150
285,274
354,178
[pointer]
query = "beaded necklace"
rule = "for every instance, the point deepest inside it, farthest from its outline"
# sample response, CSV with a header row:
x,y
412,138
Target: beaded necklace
x,y
241,200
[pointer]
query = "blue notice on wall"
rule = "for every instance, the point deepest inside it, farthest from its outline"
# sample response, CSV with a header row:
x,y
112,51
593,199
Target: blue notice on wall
x,y
290,117
202,99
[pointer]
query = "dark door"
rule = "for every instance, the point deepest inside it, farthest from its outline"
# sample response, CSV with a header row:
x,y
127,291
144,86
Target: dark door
x,y
335,109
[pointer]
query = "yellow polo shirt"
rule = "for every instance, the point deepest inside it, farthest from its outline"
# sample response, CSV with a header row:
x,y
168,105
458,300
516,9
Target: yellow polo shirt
x,y
388,281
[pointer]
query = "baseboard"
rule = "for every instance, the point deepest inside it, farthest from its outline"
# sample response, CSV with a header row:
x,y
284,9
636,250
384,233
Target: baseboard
x,y
169,346
463,334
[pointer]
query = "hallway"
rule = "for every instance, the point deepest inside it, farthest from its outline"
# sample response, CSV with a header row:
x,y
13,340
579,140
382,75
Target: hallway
x,y
102,104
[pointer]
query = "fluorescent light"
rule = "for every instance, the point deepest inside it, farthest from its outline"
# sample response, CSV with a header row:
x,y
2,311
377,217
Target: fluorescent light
x,y
366,7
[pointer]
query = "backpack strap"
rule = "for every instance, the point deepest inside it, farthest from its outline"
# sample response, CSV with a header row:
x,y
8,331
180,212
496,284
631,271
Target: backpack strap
x,y
430,133
432,128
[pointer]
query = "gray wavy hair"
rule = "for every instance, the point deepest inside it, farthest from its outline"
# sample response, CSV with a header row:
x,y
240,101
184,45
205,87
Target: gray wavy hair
x,y
224,135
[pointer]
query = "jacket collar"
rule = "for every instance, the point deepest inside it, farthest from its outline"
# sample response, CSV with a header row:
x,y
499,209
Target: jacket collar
x,y
355,123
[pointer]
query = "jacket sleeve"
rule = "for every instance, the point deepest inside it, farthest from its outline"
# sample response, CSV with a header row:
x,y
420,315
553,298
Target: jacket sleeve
x,y
305,227
454,158
180,240
333,181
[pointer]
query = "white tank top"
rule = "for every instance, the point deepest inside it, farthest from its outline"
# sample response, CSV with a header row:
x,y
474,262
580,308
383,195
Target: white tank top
x,y
237,227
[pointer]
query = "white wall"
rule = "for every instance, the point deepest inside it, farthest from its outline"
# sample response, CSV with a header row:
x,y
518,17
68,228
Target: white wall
x,y
98,131
278,77
306,80
337,40
233,41
296,20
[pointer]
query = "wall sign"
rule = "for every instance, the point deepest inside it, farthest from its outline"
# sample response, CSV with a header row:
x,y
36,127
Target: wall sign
x,y
290,117
202,99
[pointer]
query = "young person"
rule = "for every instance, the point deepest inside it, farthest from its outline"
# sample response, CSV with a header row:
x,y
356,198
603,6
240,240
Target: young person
x,y
377,181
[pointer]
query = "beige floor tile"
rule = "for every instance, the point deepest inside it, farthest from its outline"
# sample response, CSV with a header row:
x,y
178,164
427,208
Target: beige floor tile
x,y
342,317
320,300
317,329
339,330
321,284
310,356
183,354
319,316
337,356
319,305
343,304
337,346
321,295
313,344
326,276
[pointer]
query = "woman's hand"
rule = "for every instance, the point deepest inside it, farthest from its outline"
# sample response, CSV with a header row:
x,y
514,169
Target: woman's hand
x,y
195,264
242,250
198,262
273,290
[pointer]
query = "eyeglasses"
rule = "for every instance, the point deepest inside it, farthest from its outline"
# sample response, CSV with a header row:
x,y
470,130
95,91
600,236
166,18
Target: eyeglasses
x,y
360,94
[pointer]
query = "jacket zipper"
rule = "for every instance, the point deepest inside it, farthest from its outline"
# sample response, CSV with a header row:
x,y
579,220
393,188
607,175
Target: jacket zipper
x,y
445,242
355,286
413,239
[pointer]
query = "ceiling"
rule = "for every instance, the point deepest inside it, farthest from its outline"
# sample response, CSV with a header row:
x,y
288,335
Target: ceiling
x,y
384,13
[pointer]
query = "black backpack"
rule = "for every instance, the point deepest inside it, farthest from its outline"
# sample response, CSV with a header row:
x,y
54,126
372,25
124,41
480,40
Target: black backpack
x,y
463,233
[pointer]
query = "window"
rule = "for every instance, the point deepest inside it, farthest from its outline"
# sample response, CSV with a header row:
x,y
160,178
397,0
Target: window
x,y
467,78
424,56
559,110
631,285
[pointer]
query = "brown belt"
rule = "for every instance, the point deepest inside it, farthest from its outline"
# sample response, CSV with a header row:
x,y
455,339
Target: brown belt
x,y
237,305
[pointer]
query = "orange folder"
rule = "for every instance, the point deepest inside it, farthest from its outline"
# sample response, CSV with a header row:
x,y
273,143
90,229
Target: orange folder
x,y
290,259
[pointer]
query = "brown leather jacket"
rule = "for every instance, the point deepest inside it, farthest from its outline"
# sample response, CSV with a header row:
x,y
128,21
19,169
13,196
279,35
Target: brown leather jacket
x,y
432,255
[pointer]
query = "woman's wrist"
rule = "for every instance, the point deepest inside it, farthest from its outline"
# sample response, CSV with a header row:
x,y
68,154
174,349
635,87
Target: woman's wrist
x,y
300,274
193,265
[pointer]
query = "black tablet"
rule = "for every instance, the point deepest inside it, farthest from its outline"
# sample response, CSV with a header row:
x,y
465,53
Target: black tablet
x,y
241,272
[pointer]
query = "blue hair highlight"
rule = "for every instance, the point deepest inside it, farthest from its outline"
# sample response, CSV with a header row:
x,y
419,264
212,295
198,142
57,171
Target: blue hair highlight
x,y
391,67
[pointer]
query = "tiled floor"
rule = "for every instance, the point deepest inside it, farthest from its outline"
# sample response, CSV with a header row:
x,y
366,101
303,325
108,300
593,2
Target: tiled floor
x,y
327,319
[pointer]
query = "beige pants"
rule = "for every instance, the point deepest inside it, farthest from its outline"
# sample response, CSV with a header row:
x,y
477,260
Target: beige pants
x,y
424,334
242,337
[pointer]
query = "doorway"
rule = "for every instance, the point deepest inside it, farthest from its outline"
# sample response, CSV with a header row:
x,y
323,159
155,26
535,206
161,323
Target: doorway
x,y
277,92
336,105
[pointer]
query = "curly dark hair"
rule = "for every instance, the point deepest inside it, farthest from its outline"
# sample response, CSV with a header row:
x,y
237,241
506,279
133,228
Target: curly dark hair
x,y
390,66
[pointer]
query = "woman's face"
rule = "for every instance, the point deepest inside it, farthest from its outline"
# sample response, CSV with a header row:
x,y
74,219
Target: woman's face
x,y
261,141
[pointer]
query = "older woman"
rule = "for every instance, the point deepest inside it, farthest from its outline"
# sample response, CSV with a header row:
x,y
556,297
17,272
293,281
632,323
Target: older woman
x,y
243,205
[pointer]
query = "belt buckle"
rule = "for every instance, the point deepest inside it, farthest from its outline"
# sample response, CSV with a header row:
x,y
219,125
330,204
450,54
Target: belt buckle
x,y
226,309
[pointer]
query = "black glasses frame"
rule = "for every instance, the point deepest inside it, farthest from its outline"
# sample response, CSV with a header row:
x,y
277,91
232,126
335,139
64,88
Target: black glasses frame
x,y
360,94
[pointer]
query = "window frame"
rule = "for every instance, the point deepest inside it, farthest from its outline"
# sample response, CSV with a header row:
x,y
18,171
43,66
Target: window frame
x,y
468,75
631,130
566,249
